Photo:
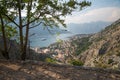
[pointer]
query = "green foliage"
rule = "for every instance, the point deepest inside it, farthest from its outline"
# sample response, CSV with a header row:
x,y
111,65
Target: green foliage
x,y
83,45
59,41
50,60
76,62
25,1
110,61
10,32
102,65
71,3
49,11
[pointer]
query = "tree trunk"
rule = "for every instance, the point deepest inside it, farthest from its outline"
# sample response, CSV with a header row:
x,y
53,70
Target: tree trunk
x,y
5,51
21,30
27,30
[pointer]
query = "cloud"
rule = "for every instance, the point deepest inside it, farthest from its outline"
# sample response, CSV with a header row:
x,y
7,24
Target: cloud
x,y
24,13
101,14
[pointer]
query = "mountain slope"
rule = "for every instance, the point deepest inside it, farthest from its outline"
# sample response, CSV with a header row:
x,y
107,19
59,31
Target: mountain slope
x,y
105,48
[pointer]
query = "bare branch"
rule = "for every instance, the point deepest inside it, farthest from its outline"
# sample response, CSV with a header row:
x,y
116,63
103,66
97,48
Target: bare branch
x,y
32,21
11,20
35,25
41,14
49,30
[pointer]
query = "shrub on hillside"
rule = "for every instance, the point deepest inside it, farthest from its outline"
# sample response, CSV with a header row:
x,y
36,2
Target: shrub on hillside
x,y
76,62
110,61
50,60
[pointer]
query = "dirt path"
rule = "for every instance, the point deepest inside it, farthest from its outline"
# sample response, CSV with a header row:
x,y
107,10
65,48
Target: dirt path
x,y
34,70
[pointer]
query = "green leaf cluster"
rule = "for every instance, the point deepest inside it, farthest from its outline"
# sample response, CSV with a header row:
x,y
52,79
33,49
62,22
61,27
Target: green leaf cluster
x,y
50,60
76,62
10,32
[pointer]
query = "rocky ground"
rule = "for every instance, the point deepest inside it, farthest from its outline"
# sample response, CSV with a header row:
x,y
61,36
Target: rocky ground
x,y
35,70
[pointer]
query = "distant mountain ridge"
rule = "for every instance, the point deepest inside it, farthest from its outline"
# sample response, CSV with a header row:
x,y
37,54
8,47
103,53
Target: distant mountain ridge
x,y
87,28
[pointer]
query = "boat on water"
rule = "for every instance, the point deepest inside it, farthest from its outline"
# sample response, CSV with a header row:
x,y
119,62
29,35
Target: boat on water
x,y
43,39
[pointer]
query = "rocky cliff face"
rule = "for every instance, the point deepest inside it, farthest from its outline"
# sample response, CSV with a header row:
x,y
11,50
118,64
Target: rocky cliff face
x,y
105,48
13,49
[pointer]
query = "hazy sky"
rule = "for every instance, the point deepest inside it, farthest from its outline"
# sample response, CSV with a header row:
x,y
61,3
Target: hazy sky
x,y
100,10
